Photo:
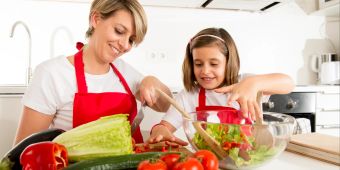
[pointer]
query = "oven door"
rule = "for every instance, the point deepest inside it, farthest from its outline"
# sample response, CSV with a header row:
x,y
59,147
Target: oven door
x,y
296,104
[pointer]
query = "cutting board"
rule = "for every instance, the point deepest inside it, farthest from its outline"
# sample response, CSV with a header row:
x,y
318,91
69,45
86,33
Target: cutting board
x,y
159,147
315,145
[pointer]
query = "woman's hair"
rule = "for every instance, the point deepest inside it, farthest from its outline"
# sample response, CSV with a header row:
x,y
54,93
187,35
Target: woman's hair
x,y
206,38
107,8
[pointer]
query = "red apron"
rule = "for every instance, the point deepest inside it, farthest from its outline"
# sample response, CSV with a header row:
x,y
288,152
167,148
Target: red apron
x,y
88,107
225,114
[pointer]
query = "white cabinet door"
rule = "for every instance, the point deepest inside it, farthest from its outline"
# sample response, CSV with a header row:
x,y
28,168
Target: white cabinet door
x,y
10,111
328,113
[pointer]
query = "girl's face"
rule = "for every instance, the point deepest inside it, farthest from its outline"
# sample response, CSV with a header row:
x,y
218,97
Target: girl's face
x,y
209,66
113,36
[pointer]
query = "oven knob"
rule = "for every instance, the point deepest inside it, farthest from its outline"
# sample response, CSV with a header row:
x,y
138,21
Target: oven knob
x,y
291,104
269,105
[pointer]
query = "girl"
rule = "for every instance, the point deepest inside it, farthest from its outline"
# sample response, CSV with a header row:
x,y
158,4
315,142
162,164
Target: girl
x,y
69,91
211,79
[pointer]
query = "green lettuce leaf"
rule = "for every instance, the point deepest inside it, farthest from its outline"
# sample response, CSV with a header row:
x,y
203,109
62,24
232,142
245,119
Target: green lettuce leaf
x,y
107,136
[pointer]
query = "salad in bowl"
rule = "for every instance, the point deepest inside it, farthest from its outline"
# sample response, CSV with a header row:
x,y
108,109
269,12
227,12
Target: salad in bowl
x,y
244,144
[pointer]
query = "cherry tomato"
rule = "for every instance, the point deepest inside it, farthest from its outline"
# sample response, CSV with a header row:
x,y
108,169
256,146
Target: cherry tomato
x,y
188,164
170,159
246,129
152,165
208,159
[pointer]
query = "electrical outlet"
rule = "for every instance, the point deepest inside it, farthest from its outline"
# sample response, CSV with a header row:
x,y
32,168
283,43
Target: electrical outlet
x,y
156,56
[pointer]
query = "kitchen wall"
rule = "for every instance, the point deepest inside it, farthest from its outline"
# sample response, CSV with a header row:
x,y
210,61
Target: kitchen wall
x,y
282,40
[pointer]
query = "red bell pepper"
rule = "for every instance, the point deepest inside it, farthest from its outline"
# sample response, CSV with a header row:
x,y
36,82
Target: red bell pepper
x,y
44,156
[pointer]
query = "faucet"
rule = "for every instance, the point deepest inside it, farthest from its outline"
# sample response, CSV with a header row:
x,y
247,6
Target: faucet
x,y
61,28
29,69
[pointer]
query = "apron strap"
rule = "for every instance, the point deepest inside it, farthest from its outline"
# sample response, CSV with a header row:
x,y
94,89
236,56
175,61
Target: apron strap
x,y
79,67
122,80
201,97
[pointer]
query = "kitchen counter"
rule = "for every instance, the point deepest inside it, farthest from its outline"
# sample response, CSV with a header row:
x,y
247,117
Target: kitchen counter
x,y
292,161
317,88
12,89
285,161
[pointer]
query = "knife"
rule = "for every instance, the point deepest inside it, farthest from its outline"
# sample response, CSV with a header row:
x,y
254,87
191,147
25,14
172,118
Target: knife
x,y
138,119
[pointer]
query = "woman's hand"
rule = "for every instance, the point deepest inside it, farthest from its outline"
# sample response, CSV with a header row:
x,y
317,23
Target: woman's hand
x,y
245,93
148,95
163,132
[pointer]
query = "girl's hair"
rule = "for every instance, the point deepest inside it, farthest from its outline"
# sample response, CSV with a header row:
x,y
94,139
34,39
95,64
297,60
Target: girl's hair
x,y
107,8
211,37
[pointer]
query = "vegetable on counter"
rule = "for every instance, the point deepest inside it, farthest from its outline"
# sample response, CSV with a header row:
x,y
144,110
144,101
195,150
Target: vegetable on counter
x,y
107,136
44,155
129,161
11,160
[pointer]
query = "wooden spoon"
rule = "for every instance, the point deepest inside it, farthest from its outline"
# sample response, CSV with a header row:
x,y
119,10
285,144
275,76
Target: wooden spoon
x,y
213,144
261,131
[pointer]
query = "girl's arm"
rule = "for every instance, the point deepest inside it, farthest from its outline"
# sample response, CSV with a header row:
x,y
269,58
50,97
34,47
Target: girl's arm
x,y
148,95
245,92
31,122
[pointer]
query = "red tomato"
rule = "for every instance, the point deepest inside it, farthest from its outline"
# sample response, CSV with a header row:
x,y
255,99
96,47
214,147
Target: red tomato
x,y
152,165
246,129
208,159
188,164
170,159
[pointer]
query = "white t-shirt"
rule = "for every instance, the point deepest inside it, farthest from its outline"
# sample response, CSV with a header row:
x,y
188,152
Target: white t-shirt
x,y
189,102
54,84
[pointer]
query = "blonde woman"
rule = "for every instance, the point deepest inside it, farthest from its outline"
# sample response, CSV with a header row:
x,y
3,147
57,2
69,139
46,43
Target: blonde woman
x,y
72,90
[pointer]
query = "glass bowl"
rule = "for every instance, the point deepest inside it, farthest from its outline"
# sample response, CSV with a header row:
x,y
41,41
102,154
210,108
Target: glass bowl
x,y
244,146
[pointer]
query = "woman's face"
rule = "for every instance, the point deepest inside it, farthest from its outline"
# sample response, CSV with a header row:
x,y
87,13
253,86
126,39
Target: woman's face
x,y
209,66
113,36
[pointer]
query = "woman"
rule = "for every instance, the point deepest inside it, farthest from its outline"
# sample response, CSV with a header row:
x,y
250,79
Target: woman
x,y
69,91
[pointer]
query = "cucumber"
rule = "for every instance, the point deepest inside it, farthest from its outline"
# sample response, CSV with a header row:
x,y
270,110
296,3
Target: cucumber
x,y
11,160
129,161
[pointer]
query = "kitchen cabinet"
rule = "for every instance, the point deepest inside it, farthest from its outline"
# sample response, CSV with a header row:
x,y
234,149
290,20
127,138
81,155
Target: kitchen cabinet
x,y
327,107
328,112
331,11
10,111
313,7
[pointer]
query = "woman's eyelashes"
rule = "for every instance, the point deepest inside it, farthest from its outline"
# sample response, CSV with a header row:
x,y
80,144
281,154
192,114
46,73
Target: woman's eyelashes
x,y
122,32
119,31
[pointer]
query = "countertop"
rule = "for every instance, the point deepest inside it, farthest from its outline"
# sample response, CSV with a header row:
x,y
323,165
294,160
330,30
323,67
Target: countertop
x,y
291,161
285,161
317,88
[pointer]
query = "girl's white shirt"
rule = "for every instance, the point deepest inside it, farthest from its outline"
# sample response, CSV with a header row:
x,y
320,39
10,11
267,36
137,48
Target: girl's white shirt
x,y
54,85
189,102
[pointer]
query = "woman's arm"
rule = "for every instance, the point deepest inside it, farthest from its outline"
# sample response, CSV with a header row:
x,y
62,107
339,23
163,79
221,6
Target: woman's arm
x,y
31,122
148,95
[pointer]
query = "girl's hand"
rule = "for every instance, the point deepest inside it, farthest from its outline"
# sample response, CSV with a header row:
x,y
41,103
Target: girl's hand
x,y
245,93
161,133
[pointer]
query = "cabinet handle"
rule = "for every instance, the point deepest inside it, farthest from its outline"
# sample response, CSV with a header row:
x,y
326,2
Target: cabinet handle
x,y
10,95
330,126
323,92
329,110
